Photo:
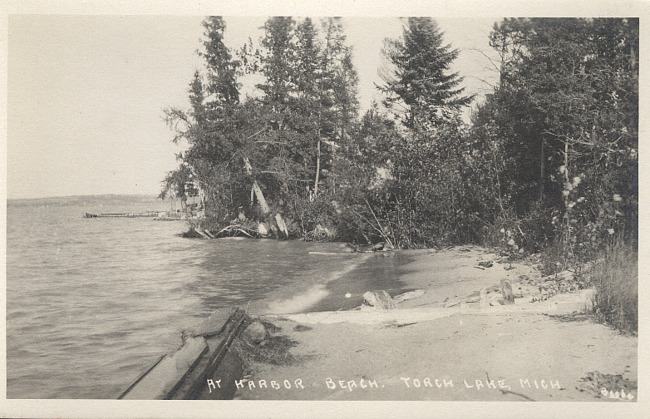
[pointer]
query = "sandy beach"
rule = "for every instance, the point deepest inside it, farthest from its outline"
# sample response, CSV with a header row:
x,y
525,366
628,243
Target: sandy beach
x,y
446,342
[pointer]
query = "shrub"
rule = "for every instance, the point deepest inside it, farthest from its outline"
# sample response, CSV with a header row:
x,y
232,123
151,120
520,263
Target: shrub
x,y
313,219
615,277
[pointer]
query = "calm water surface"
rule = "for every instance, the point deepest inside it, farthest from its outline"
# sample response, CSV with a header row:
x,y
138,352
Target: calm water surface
x,y
93,302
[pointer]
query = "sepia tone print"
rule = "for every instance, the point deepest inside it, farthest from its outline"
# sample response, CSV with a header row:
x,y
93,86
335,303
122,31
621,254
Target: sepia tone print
x,y
322,208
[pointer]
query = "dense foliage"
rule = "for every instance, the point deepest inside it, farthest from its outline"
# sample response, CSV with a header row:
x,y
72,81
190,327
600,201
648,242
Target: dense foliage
x,y
549,158
564,120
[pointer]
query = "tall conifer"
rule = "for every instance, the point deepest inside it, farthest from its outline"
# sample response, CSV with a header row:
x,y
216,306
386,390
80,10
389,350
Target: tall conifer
x,y
420,82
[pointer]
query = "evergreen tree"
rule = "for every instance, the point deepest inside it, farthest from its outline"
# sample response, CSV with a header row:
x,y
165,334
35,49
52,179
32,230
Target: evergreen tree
x,y
310,88
212,126
419,81
339,101
345,95
328,118
421,200
308,105
221,67
279,48
307,60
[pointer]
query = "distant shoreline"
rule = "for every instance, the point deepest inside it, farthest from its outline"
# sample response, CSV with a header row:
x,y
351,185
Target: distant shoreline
x,y
77,197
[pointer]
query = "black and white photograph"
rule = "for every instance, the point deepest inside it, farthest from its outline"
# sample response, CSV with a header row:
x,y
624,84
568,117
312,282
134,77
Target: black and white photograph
x,y
268,212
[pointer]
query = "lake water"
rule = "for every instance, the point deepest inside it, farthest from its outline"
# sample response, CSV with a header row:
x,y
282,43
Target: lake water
x,y
92,302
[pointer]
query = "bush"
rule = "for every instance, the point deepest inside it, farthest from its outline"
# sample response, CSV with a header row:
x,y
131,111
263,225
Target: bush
x,y
314,219
615,277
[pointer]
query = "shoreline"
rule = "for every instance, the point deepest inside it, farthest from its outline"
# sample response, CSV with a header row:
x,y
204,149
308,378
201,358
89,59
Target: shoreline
x,y
539,348
342,281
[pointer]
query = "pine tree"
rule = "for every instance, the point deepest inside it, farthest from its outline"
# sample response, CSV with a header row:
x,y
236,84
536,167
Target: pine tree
x,y
308,78
281,144
420,80
211,127
306,65
345,95
197,98
222,69
310,89
279,46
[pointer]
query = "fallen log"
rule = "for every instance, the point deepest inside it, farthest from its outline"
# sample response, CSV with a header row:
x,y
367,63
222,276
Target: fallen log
x,y
245,232
408,296
379,299
331,253
202,234
559,305
224,232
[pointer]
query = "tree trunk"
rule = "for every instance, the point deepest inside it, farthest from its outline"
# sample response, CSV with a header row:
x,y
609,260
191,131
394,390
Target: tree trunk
x,y
256,188
541,173
380,300
260,198
282,226
317,168
257,191
567,209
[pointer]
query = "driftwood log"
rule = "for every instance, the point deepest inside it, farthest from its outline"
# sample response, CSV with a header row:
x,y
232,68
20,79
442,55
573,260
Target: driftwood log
x,y
379,299
202,234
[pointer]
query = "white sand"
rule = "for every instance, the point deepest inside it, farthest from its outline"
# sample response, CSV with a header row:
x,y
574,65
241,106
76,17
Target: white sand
x,y
444,346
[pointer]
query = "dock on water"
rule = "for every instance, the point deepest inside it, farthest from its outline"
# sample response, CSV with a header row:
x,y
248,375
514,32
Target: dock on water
x,y
147,214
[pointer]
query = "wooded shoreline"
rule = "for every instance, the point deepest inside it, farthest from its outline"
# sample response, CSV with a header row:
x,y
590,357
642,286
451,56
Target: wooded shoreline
x,y
547,163
546,168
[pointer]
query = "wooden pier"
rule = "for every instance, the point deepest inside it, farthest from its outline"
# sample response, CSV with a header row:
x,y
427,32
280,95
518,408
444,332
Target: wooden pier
x,y
171,216
147,214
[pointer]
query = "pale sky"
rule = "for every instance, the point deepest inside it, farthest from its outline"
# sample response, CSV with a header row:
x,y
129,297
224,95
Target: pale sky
x,y
86,93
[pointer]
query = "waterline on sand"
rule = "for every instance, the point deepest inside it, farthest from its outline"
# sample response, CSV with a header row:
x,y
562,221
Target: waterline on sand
x,y
313,295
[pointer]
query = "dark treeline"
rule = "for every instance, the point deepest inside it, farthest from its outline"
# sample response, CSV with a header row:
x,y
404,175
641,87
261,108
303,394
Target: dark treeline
x,y
549,159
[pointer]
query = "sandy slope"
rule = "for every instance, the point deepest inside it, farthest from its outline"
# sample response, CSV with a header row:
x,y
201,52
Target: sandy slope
x,y
444,345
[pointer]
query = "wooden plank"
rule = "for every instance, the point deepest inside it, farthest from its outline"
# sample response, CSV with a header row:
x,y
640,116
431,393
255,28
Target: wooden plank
x,y
183,375
195,384
160,380
148,214
230,369
137,380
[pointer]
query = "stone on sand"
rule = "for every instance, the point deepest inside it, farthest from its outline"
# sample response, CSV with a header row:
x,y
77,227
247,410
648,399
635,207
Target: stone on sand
x,y
508,297
256,332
